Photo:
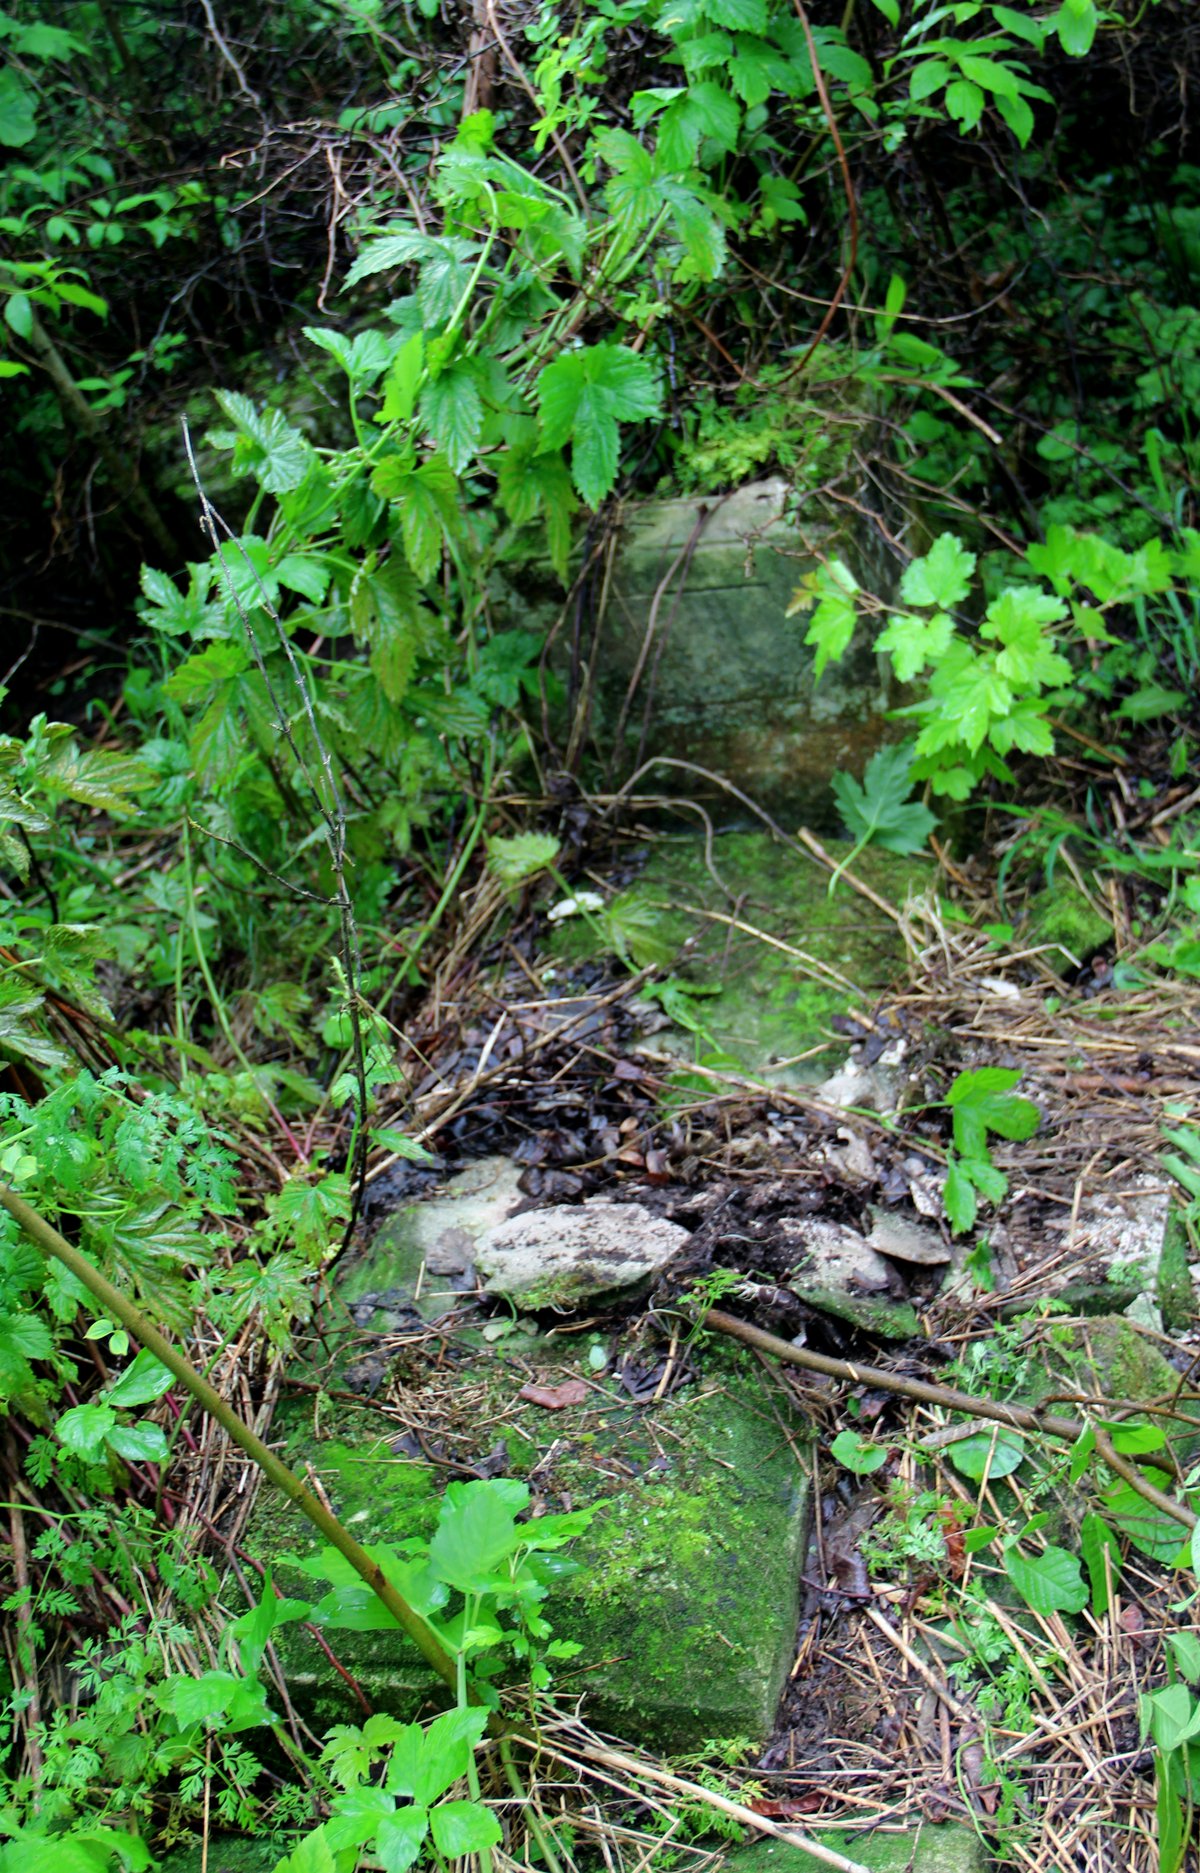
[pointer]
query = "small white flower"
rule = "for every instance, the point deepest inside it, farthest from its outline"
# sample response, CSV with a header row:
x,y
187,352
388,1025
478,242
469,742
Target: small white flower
x,y
571,906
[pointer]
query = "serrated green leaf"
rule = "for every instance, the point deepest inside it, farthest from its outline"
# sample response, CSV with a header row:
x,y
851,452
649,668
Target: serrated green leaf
x,y
463,1827
913,642
522,855
452,408
958,1197
583,396
264,444
832,588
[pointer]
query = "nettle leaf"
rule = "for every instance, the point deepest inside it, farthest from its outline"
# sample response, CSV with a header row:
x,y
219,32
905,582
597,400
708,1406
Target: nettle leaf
x,y
96,778
877,810
530,482
689,118
397,248
982,1101
831,588
264,444
452,407
426,498
942,577
1050,1582
913,642
386,613
583,397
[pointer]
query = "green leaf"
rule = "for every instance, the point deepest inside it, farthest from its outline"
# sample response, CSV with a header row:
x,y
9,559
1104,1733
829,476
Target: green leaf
x,y
140,1443
1150,1530
958,1197
583,396
857,1453
987,1456
522,855
400,1838
144,1380
264,444
913,642
85,1429
452,408
18,110
97,778
426,498
18,314
403,382
877,810
832,588
463,1827
1076,28
981,1101
311,1855
1050,1582
1096,1539
477,1531
942,577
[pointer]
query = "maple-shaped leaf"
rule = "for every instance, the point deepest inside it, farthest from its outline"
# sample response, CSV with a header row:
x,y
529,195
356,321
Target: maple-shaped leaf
x,y
982,1101
912,642
583,397
969,693
1019,619
877,809
942,577
831,588
264,444
426,497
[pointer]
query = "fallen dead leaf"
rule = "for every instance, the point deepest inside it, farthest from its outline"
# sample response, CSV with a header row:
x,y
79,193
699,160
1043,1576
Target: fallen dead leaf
x,y
555,1397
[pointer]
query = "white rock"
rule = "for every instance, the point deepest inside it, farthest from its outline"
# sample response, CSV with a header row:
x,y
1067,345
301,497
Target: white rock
x,y
566,1254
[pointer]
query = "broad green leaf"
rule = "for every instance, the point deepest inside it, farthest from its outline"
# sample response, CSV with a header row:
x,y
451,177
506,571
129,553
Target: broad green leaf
x,y
958,1197
463,1827
913,642
981,1101
476,1532
987,1456
85,1429
831,588
1050,1582
1150,1530
97,778
264,444
311,1855
403,382
583,397
857,1453
400,1838
426,500
1076,27
452,408
144,1380
18,110
521,855
140,1443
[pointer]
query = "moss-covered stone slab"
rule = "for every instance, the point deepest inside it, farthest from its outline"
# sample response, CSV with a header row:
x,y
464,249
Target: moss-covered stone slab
x,y
950,1848
686,1601
731,683
767,1010
226,1853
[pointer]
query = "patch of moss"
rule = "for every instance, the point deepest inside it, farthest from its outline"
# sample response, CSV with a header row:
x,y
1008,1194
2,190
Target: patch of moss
x,y
768,1007
1175,1294
1064,916
888,1320
686,1600
226,1853
947,1849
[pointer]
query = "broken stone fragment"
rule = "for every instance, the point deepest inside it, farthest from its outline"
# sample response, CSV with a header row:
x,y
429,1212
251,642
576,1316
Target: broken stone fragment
x,y
570,1253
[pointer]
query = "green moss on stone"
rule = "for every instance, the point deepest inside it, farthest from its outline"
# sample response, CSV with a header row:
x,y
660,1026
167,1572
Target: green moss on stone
x,y
770,1007
227,1853
888,1320
1175,1292
686,1601
946,1849
1064,916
